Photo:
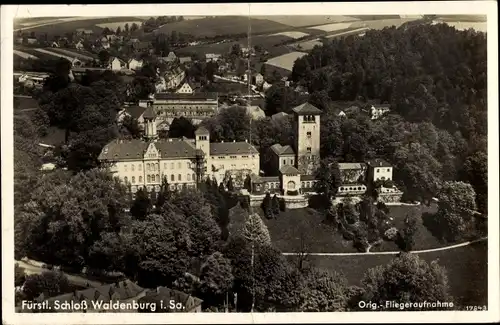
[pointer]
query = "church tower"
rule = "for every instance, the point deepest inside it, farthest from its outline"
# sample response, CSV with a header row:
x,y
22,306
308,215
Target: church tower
x,y
150,132
307,138
202,144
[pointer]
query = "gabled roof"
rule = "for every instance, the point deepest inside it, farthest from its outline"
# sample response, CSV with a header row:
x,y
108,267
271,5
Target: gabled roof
x,y
279,116
306,109
289,170
232,148
282,150
135,111
377,162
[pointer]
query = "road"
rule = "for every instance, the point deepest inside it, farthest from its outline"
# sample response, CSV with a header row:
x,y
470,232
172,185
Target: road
x,y
394,252
75,279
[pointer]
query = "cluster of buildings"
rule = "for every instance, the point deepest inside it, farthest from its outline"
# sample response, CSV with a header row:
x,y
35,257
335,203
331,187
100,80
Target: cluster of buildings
x,y
120,297
143,163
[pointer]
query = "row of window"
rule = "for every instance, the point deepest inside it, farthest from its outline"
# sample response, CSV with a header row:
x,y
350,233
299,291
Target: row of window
x,y
353,188
235,157
156,178
291,162
380,170
155,166
233,166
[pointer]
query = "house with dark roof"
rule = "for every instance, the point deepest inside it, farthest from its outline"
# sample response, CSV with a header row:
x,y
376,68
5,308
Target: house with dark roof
x,y
169,297
134,111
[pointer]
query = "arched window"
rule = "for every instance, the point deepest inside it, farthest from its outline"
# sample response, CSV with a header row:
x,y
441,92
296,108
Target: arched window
x,y
291,185
133,179
157,167
140,167
179,177
140,178
132,167
189,177
125,179
157,177
148,167
149,179
172,177
194,177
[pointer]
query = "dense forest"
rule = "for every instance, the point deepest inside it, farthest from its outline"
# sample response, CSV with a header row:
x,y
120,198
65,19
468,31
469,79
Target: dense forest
x,y
434,78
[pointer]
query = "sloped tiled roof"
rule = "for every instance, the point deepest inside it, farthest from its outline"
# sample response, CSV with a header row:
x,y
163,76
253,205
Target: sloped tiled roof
x,y
289,170
135,111
177,96
122,290
306,108
279,116
282,150
201,130
378,163
165,294
135,149
307,178
149,113
232,148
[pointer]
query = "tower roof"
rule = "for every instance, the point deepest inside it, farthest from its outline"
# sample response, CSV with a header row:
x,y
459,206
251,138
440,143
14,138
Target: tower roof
x,y
201,131
306,109
149,113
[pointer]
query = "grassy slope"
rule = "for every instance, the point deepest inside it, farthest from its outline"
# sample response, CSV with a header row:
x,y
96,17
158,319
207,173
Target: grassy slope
x,y
301,21
223,25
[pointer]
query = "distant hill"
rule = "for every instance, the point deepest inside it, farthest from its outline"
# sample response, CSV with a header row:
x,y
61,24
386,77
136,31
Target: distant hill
x,y
301,21
223,25
62,25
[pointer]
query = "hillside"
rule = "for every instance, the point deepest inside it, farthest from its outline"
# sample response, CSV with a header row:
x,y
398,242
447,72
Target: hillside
x,y
301,21
223,25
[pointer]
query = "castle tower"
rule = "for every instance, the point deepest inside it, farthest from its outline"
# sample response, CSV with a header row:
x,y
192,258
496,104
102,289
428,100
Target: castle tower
x,y
150,132
202,144
307,138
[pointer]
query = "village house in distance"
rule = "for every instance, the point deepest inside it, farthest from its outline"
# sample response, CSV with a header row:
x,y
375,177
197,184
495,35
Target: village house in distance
x,y
144,163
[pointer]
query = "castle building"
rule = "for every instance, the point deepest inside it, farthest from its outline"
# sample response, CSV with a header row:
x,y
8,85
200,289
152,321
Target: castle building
x,y
143,163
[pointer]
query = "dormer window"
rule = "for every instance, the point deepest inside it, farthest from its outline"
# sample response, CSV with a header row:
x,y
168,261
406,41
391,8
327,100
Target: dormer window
x,y
309,134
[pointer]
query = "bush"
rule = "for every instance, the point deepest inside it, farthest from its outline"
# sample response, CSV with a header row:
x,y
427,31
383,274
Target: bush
x,y
391,233
19,275
282,204
49,283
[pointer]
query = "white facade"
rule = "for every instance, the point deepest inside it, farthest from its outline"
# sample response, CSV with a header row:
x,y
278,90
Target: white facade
x,y
382,173
378,112
115,64
134,64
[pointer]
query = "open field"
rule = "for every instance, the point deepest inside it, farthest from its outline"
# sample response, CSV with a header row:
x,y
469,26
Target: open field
x,y
285,61
57,55
383,23
114,26
469,18
223,25
332,27
466,267
82,55
302,21
25,55
61,25
39,55
464,25
294,35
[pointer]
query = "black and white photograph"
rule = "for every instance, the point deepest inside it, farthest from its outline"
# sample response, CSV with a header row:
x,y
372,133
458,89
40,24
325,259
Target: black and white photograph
x,y
249,161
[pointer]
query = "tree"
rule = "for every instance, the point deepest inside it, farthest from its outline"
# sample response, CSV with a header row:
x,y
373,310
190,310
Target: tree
x,y
141,206
248,183
267,206
118,30
104,57
164,195
216,279
323,291
407,234
475,172
63,219
181,127
230,186
328,178
134,27
255,230
275,203
126,28
130,128
456,211
406,279
49,284
19,275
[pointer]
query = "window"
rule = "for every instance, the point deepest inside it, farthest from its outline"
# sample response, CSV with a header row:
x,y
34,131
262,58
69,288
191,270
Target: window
x,y
378,170
125,167
132,167
179,177
165,165
152,178
148,166
140,167
133,179
125,179
179,165
291,161
309,134
140,178
188,165
171,165
194,177
233,157
157,177
157,166
388,170
284,161
149,179
172,177
189,177
308,149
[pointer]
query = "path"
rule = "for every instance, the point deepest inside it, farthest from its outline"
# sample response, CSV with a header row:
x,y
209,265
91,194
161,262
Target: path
x,y
75,279
394,252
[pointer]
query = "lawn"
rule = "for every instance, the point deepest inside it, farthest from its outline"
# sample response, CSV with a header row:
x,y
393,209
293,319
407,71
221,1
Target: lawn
x,y
293,228
81,55
54,136
286,61
223,25
466,267
23,103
